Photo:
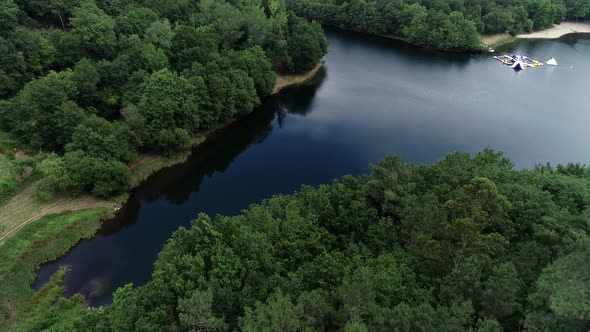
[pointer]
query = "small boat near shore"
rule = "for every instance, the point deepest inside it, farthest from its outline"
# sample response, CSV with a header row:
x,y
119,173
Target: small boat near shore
x,y
518,62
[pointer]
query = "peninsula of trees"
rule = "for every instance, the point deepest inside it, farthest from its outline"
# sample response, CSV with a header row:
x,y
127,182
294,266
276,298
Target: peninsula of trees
x,y
467,244
87,85
442,24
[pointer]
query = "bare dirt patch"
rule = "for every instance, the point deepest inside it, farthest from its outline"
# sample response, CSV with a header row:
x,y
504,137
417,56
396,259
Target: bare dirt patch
x,y
284,81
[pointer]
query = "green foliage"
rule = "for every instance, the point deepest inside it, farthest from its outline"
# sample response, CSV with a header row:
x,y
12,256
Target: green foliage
x,y
49,308
9,12
33,245
36,107
176,10
55,177
89,84
60,8
160,34
102,139
111,178
355,325
134,20
448,25
104,80
37,51
78,172
306,44
254,61
192,44
9,171
171,101
406,248
173,141
231,92
195,314
12,73
155,58
94,28
577,8
86,78
277,314
562,288
7,184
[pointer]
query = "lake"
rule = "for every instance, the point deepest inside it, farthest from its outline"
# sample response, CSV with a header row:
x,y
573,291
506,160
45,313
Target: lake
x,y
374,97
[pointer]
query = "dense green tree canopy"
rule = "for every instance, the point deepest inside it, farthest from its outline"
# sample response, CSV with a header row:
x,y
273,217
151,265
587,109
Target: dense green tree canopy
x,y
115,78
95,29
441,24
467,244
171,101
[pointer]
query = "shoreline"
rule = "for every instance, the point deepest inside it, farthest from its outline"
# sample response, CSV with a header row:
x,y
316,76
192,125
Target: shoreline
x,y
424,47
288,81
142,168
555,32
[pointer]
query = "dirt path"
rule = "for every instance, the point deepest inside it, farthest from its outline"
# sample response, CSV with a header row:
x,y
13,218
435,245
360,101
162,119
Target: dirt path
x,y
25,208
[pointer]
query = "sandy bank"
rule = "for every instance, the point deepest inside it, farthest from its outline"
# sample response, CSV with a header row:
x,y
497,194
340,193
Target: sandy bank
x,y
285,81
489,40
558,30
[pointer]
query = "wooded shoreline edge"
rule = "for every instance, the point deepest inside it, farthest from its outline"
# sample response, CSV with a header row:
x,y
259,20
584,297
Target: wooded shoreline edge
x,y
84,222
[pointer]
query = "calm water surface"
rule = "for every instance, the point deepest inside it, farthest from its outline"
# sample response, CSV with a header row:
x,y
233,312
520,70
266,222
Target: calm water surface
x,y
374,97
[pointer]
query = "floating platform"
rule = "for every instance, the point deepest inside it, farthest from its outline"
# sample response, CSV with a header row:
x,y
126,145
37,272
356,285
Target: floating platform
x,y
518,62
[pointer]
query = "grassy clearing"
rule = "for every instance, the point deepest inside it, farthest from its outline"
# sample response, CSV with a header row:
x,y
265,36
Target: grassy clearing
x,y
28,183
44,240
24,207
13,174
150,164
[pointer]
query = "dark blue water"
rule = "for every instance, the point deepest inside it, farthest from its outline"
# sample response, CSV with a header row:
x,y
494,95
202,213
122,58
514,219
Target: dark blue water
x,y
374,97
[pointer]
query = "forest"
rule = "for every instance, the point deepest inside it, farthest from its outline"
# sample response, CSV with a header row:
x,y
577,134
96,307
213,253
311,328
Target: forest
x,y
466,244
86,86
442,24
469,243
